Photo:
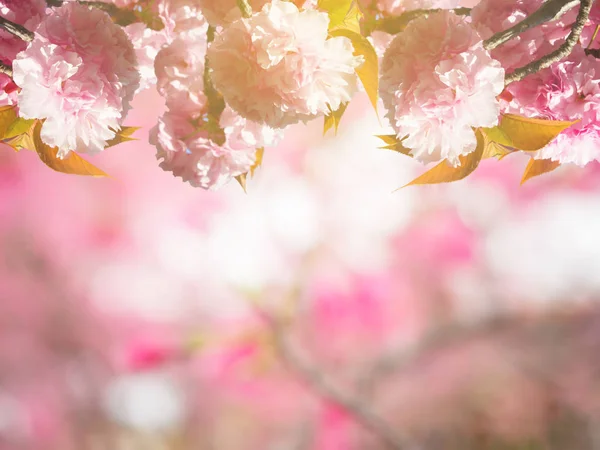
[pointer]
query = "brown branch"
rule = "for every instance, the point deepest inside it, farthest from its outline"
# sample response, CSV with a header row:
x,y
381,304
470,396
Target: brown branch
x,y
6,69
549,11
561,52
16,30
595,52
327,389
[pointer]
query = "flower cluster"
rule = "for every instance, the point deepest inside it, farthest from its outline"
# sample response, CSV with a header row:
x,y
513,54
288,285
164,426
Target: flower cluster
x,y
278,67
437,84
191,143
79,74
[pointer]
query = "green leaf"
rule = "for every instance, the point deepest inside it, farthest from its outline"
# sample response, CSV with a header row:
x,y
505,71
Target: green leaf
x,y
343,14
72,164
332,120
444,173
368,72
537,167
530,134
123,135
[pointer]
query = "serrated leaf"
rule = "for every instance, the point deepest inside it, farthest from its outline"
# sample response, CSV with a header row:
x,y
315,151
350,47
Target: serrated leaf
x,y
444,173
123,135
19,127
343,14
537,167
531,134
393,143
498,144
332,120
368,72
241,179
72,164
8,116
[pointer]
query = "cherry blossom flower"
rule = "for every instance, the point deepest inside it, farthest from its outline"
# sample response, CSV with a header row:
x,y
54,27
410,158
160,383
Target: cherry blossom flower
x,y
437,84
278,67
79,74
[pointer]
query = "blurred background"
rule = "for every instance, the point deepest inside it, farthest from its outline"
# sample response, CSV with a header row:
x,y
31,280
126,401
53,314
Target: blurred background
x,y
322,310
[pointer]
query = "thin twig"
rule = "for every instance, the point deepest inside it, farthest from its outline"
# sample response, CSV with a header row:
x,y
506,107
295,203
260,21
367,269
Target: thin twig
x,y
595,52
327,389
549,11
561,52
6,69
16,30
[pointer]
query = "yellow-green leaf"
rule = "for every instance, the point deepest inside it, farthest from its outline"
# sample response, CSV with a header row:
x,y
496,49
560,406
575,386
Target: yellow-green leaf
x,y
72,164
531,134
537,167
498,144
123,135
343,14
444,173
393,143
19,127
368,72
332,120
23,140
241,179
8,115
259,157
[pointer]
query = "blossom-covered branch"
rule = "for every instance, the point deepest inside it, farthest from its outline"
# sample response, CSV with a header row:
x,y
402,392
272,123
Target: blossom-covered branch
x,y
551,10
561,52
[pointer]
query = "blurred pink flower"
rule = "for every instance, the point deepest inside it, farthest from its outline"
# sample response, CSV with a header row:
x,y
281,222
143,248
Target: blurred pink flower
x,y
437,83
279,68
79,74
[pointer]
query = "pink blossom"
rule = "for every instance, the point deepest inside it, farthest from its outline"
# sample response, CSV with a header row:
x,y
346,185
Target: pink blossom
x,y
179,70
492,16
568,90
28,13
397,7
146,43
279,68
181,15
185,148
79,74
223,12
437,84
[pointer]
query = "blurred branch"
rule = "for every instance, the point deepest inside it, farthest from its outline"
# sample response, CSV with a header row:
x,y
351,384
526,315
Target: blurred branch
x,y
327,389
549,11
561,52
396,359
